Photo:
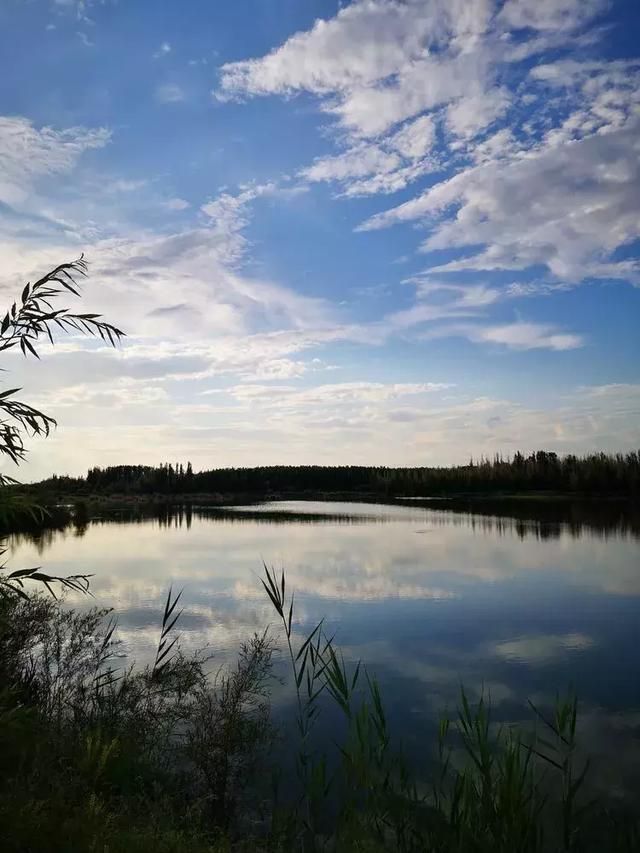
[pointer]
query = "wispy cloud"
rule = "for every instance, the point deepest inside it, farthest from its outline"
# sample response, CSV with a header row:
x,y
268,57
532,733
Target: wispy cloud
x,y
170,93
384,167
84,38
28,153
523,336
176,204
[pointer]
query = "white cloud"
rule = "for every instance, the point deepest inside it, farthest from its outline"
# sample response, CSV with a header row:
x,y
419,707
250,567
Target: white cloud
x,y
84,38
542,648
366,42
163,50
550,14
439,302
465,295
423,84
186,287
127,186
119,393
368,168
335,395
468,115
529,199
500,144
188,281
378,61
518,335
567,207
170,93
415,138
176,204
230,213
28,153
142,398
355,163
525,336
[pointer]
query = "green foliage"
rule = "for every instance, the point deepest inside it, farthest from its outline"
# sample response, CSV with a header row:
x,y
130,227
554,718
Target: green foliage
x,y
24,324
27,321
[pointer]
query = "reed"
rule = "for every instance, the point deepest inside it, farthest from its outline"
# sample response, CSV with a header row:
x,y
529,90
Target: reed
x,y
497,789
96,755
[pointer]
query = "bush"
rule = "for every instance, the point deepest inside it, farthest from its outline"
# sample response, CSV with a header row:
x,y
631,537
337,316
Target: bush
x,y
94,758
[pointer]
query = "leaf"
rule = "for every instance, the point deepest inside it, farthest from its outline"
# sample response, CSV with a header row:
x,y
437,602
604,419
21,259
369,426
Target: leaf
x,y
274,600
21,573
290,617
308,640
29,346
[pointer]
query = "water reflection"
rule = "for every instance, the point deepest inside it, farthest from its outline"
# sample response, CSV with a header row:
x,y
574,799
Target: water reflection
x,y
517,606
523,517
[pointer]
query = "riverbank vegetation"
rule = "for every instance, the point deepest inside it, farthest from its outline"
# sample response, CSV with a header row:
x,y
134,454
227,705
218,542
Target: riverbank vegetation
x,y
182,755
542,472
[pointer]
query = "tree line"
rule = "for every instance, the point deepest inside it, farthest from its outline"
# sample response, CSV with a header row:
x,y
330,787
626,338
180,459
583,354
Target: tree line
x,y
596,473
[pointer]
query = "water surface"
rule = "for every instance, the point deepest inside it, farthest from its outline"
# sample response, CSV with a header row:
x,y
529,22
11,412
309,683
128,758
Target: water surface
x,y
429,599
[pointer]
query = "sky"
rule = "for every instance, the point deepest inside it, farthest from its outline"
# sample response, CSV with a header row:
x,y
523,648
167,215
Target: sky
x,y
394,232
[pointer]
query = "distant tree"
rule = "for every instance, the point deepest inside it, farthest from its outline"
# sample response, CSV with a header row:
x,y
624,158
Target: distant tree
x,y
29,320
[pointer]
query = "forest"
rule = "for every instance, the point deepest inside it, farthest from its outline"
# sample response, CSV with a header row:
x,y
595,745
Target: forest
x,y
594,474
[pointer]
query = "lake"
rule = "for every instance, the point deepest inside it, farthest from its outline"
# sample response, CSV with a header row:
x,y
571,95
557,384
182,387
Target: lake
x,y
519,608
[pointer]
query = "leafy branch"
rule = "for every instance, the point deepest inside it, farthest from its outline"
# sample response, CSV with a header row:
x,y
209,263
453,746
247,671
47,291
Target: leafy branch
x,y
29,320
35,316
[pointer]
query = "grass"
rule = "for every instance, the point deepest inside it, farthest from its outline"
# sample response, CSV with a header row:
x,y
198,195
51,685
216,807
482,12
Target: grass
x,y
177,756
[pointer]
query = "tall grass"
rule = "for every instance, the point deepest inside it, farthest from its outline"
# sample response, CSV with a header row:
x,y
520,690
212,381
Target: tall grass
x,y
175,756
496,789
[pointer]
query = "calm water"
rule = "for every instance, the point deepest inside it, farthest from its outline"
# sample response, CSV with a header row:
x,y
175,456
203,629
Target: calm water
x,y
428,599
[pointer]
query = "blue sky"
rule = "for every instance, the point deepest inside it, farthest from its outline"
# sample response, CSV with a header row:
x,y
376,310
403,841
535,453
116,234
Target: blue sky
x,y
370,232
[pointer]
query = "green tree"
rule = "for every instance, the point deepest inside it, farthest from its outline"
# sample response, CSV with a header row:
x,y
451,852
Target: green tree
x,y
30,319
